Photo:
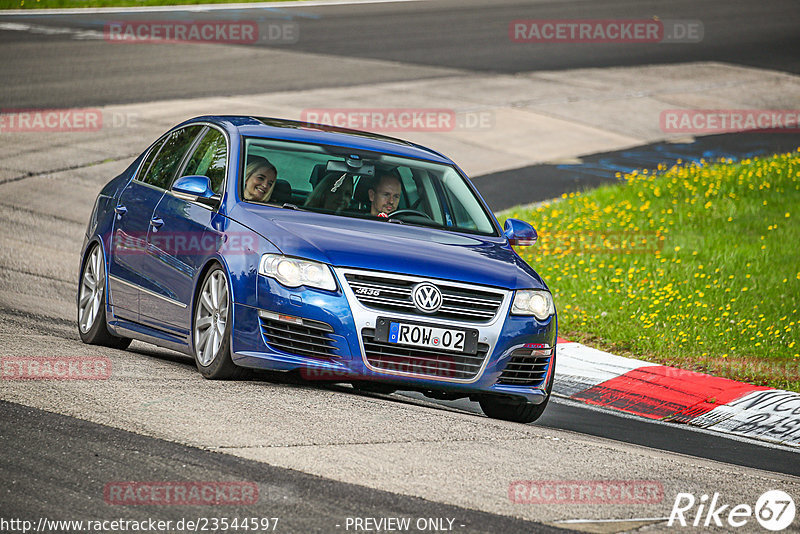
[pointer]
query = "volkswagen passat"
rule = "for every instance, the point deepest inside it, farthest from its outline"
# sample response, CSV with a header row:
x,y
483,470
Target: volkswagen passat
x,y
348,256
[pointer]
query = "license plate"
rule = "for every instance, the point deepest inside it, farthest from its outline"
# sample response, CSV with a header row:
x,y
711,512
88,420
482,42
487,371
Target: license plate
x,y
422,335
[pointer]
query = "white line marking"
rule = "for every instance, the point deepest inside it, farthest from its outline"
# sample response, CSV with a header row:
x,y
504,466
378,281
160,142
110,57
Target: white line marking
x,y
612,520
51,30
194,7
13,26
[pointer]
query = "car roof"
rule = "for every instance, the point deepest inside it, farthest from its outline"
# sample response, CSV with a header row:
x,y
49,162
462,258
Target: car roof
x,y
272,128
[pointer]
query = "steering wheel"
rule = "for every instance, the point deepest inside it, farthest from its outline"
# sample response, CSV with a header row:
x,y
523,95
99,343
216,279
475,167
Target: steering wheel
x,y
410,212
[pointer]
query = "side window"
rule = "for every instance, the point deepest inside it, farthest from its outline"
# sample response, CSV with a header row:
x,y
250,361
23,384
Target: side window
x,y
149,159
178,142
209,159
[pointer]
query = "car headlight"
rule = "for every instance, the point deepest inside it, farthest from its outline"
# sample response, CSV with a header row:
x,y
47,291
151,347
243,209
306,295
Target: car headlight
x,y
534,302
294,272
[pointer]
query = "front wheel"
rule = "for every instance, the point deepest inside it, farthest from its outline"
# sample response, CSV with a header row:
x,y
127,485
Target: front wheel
x,y
92,303
517,411
212,328
511,410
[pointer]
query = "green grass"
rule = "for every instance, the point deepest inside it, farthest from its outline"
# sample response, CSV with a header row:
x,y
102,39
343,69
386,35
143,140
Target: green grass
x,y
51,4
696,267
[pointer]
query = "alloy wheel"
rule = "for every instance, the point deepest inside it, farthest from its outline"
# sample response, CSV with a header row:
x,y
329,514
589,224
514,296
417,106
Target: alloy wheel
x,y
92,285
211,318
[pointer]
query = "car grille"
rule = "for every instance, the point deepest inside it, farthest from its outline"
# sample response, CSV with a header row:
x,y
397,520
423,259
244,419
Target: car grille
x,y
307,339
527,367
439,364
390,293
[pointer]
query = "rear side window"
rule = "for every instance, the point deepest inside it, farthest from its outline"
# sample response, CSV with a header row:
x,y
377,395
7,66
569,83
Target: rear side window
x,y
149,160
166,162
210,159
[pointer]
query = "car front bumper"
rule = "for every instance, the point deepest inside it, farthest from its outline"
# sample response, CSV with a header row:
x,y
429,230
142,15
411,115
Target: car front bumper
x,y
327,336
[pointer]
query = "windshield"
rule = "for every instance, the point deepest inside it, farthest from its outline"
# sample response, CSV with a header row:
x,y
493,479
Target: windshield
x,y
351,183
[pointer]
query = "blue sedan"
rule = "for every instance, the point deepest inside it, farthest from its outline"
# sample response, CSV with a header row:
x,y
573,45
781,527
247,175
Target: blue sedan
x,y
342,255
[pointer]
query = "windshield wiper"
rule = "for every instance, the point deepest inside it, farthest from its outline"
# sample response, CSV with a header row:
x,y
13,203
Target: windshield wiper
x,y
290,206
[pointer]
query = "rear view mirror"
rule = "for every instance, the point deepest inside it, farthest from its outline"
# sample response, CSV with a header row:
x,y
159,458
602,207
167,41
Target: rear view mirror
x,y
519,233
352,166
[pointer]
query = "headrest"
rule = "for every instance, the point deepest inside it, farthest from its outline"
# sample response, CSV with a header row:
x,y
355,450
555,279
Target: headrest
x,y
282,192
361,194
317,173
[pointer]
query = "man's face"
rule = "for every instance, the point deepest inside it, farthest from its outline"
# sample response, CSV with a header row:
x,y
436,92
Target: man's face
x,y
385,196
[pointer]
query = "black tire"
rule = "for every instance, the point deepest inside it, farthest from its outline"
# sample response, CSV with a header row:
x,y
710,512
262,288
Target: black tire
x,y
220,366
517,411
95,331
512,410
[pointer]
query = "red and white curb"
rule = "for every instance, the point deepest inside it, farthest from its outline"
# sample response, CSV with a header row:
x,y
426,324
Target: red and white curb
x,y
670,394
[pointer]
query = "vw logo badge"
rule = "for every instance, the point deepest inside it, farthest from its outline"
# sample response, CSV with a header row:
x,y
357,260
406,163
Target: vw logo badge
x,y
427,297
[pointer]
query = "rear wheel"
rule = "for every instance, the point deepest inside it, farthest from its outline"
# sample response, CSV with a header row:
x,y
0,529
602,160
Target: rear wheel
x,y
92,303
212,328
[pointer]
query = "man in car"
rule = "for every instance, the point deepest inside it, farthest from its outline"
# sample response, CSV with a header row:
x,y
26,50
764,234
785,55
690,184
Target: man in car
x,y
384,195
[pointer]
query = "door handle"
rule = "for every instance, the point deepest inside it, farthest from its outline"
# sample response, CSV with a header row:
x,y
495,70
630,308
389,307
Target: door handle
x,y
156,222
120,209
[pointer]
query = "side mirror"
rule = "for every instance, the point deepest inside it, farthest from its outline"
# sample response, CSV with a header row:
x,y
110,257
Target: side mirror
x,y
519,233
196,188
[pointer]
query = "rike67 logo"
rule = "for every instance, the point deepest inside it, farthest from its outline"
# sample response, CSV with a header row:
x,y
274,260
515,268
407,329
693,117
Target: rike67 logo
x,y
774,510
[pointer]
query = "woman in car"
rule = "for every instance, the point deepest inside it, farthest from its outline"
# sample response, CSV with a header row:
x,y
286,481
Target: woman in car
x,y
260,177
333,193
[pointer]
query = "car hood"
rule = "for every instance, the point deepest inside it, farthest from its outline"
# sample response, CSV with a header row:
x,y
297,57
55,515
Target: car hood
x,y
388,247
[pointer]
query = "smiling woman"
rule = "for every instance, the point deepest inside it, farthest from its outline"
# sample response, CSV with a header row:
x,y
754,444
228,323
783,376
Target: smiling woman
x,y
259,179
